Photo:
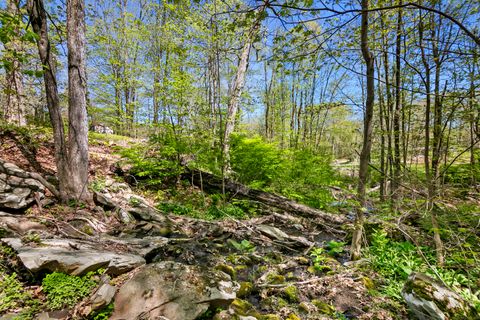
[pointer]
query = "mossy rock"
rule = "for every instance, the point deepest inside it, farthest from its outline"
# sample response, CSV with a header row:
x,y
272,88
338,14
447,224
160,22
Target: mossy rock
x,y
302,260
427,298
273,303
368,283
293,316
291,294
324,307
246,289
274,278
228,270
269,317
244,308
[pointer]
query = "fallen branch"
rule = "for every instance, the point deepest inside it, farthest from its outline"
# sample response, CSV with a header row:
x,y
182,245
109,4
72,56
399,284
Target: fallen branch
x,y
211,182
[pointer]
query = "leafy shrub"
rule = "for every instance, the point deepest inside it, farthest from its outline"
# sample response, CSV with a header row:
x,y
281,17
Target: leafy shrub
x,y
64,290
335,247
302,175
461,174
256,162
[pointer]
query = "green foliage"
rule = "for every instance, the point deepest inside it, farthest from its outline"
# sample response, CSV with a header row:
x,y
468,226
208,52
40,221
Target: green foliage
x,y
154,165
461,175
12,294
243,246
319,259
394,261
335,248
103,314
256,162
98,185
64,290
302,175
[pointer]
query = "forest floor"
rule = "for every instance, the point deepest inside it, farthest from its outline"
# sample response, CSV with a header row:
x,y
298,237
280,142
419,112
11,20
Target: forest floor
x,y
288,266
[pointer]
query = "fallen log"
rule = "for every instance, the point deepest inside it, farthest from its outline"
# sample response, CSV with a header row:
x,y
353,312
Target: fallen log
x,y
209,182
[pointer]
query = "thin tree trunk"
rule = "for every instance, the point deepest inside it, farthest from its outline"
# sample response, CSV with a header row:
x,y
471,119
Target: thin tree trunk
x,y
236,91
396,114
367,135
38,20
15,105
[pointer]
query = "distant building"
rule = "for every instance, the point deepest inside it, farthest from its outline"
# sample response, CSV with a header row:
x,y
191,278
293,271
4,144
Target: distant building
x,y
101,128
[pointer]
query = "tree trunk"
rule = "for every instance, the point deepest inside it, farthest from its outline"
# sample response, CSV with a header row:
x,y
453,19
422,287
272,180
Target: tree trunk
x,y
396,114
367,135
71,160
14,111
38,20
77,102
236,91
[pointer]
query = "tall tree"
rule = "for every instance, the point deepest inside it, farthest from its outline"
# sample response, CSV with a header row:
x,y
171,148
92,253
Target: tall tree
x,y
367,134
77,101
71,159
14,108
237,86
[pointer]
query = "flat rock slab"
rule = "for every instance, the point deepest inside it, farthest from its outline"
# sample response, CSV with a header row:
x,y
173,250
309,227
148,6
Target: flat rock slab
x,y
173,290
71,256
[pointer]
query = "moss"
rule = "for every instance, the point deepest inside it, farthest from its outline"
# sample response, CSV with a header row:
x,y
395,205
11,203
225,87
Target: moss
x,y
290,276
274,278
324,307
228,270
368,283
245,289
244,308
241,267
269,317
302,260
304,307
293,316
291,294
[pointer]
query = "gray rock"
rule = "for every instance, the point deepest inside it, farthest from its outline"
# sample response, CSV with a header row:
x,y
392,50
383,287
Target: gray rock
x,y
174,291
19,225
72,257
279,235
17,189
104,199
428,299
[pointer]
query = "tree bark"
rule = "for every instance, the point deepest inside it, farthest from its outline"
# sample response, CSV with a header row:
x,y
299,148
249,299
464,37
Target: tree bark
x,y
71,159
14,111
396,114
367,135
237,89
38,20
77,102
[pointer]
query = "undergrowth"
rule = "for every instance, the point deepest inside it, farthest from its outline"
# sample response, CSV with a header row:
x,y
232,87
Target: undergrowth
x,y
63,290
302,175
395,261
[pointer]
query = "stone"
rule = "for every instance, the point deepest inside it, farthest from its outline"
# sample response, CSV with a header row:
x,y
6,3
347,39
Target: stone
x,y
17,189
429,299
100,298
19,225
279,235
72,257
124,216
173,290
104,199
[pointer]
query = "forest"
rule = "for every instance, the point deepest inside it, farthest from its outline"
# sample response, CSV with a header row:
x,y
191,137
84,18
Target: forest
x,y
240,160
